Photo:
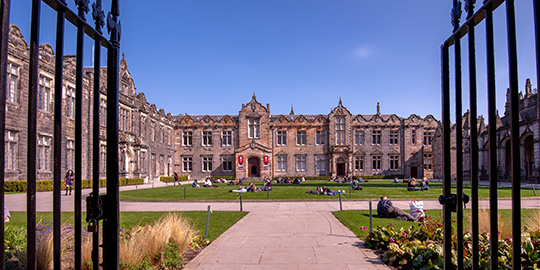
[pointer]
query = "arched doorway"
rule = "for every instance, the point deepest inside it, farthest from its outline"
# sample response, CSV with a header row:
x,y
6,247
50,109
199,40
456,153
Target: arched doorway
x,y
529,155
340,167
508,160
253,167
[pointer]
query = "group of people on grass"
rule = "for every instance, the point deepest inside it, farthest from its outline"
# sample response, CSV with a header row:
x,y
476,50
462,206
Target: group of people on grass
x,y
411,184
325,191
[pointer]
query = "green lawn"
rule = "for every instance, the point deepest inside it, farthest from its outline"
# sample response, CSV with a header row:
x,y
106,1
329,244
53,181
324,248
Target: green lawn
x,y
355,219
372,190
219,221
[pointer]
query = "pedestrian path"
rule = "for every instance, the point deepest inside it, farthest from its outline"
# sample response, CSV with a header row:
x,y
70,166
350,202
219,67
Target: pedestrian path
x,y
287,235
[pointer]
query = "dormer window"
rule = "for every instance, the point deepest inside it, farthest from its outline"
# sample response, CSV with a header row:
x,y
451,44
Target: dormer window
x,y
254,128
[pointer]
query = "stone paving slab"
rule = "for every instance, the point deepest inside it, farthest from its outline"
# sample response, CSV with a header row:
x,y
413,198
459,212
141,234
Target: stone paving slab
x,y
280,237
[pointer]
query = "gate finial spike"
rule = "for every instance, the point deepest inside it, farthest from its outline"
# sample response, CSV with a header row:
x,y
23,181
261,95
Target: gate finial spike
x,y
456,14
469,7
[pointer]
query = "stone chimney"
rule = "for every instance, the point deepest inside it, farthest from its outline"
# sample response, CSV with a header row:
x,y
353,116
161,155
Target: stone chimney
x,y
378,108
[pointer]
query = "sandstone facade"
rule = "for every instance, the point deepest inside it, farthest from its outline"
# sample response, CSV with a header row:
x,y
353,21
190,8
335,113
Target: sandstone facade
x,y
256,143
146,145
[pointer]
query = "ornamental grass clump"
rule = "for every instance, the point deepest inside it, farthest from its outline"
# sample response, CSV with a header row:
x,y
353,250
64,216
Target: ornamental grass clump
x,y
159,245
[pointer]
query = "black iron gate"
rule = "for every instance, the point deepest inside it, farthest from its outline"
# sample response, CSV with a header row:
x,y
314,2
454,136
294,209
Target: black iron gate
x,y
454,202
108,202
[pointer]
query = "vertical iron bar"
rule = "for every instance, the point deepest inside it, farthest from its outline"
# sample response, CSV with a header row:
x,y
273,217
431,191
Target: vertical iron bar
x,y
536,9
57,176
111,223
32,135
514,126
447,214
459,155
492,133
473,144
98,19
78,134
4,35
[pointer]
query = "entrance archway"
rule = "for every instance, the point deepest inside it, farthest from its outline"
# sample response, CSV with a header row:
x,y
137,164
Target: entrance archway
x,y
508,160
253,167
340,167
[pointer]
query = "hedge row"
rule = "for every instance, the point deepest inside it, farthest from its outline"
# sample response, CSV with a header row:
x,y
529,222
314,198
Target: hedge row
x,y
168,179
47,185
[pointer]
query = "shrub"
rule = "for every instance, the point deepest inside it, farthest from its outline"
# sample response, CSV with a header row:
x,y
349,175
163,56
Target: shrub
x,y
47,185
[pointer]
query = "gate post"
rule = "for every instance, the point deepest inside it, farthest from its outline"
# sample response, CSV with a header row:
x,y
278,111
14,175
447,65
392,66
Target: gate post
x,y
111,222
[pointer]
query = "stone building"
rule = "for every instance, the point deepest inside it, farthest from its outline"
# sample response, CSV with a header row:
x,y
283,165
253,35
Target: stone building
x,y
256,143
529,135
146,133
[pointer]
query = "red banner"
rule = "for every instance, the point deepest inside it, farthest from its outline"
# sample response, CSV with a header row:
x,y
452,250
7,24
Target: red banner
x,y
265,159
240,159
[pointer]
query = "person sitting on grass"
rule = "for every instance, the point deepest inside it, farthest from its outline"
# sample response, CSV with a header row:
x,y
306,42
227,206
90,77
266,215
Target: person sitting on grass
x,y
412,185
396,181
386,209
424,185
252,188
355,185
267,186
195,185
296,181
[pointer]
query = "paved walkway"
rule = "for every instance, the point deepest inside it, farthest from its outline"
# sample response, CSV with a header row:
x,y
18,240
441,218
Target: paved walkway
x,y
274,235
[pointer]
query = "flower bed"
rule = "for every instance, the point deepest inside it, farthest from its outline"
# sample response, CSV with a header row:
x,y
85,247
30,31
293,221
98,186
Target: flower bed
x,y
420,247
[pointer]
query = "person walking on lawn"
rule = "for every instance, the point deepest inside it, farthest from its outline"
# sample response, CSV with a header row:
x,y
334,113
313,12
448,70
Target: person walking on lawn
x,y
386,209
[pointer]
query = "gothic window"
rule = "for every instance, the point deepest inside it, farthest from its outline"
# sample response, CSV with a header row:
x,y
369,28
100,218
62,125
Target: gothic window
x,y
44,94
70,102
142,124
320,162
187,164
359,137
428,137
394,162
301,137
103,112
376,135
12,83
340,130
44,153
11,149
226,138
187,138
207,164
376,163
394,137
103,158
70,154
359,163
300,163
320,137
226,164
413,136
254,128
281,137
282,163
161,134
142,161
207,138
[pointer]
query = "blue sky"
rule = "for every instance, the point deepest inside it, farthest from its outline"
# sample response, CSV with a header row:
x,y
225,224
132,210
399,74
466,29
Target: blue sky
x,y
209,56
